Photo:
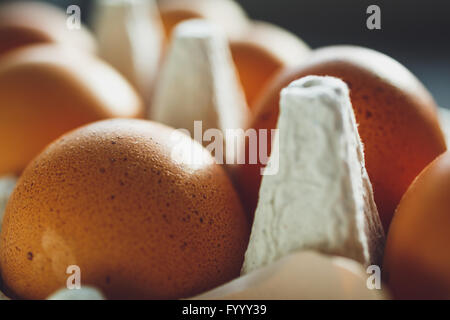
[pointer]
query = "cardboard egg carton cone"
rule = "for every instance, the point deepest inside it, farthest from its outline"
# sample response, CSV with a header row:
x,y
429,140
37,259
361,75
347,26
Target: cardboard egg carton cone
x,y
321,197
303,275
198,81
130,37
444,115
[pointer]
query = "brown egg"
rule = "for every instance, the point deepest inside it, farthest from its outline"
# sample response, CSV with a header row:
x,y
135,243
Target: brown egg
x,y
397,120
46,90
225,13
417,256
261,52
24,23
115,199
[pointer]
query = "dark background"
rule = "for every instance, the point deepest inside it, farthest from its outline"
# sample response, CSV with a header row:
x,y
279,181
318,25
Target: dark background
x,y
415,32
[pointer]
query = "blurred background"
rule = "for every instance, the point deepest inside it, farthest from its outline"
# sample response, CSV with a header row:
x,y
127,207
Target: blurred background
x,y
414,32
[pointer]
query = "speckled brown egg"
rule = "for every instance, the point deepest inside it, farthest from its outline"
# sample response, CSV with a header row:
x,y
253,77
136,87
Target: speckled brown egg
x,y
397,120
47,90
417,256
24,23
119,199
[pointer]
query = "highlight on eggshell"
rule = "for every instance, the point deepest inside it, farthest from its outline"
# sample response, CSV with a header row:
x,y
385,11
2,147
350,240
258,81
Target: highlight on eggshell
x,y
261,52
305,275
417,257
227,14
397,120
110,198
130,37
47,90
25,23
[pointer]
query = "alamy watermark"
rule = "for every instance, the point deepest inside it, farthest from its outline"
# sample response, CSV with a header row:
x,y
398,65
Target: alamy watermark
x,y
374,20
74,17
231,146
374,280
74,280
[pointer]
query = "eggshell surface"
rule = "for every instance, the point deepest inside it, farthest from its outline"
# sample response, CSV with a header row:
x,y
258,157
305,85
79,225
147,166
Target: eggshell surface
x,y
47,90
261,52
112,199
25,23
417,256
397,120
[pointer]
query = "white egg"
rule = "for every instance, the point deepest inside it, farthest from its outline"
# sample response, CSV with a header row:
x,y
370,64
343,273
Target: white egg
x,y
85,293
303,275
